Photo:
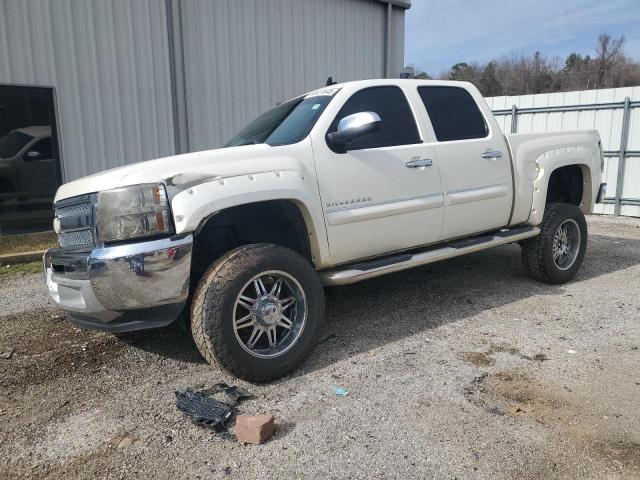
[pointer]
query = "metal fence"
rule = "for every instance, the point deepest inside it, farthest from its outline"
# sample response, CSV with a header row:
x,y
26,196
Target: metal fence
x,y
617,121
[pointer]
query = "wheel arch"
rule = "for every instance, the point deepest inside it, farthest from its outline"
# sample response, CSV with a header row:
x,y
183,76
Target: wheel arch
x,y
281,222
563,175
195,207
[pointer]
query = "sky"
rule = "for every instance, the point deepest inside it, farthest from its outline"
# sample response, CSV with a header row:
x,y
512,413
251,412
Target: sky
x,y
440,33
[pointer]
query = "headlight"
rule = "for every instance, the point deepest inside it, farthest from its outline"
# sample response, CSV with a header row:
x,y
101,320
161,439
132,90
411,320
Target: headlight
x,y
132,212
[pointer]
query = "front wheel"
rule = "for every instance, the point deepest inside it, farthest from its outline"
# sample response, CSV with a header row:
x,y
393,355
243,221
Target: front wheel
x,y
257,311
556,254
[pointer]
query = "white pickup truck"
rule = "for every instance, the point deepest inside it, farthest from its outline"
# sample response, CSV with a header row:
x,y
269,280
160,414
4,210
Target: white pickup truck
x,y
343,184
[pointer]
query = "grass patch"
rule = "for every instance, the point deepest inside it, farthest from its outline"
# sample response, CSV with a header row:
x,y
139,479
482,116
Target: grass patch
x,y
27,242
21,268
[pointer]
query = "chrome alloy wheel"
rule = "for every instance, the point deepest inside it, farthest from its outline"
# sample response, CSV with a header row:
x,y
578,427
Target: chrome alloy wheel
x,y
566,244
269,314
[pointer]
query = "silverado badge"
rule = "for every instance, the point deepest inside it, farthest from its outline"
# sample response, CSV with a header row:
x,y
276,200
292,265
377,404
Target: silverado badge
x,y
340,203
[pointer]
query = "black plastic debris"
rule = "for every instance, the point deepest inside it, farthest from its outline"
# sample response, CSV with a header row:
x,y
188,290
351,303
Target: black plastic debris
x,y
203,410
235,394
206,411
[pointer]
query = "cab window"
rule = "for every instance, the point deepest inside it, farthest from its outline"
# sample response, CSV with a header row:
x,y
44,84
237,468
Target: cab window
x,y
398,125
453,112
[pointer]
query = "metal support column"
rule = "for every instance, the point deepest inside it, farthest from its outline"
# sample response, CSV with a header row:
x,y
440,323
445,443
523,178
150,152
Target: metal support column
x,y
178,77
623,153
387,42
514,119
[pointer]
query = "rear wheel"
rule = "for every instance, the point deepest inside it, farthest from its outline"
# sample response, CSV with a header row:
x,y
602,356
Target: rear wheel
x,y
257,311
556,254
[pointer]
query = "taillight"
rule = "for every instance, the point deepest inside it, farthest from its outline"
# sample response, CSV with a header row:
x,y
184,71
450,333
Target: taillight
x,y
601,156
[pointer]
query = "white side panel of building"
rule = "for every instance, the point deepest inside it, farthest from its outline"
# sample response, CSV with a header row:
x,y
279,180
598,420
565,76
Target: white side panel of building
x,y
608,122
109,64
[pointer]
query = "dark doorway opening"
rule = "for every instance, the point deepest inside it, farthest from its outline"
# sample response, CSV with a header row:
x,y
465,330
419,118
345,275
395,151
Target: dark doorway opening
x,y
29,158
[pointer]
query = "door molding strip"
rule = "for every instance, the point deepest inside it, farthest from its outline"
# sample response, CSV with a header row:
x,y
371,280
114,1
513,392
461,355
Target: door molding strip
x,y
467,195
357,213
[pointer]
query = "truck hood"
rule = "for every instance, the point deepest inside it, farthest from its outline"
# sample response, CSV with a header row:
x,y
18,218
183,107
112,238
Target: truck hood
x,y
183,171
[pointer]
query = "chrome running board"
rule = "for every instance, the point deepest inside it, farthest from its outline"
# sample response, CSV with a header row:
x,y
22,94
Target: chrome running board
x,y
381,266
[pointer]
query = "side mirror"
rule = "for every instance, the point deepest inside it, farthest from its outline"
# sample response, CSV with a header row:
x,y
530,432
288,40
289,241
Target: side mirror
x,y
351,127
32,155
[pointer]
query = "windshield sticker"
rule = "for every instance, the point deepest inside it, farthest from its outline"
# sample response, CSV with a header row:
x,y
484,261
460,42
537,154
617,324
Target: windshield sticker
x,y
327,91
315,106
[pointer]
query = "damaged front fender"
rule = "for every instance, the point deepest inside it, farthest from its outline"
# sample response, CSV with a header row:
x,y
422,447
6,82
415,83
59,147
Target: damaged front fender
x,y
191,206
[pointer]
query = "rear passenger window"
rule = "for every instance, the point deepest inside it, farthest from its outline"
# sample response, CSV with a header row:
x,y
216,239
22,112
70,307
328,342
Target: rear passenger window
x,y
453,112
398,125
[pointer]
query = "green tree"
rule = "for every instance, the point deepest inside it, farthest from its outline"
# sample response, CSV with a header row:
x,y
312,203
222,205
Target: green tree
x,y
490,85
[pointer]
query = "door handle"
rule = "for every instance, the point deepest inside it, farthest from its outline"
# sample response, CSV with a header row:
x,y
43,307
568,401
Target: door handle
x,y
493,154
419,163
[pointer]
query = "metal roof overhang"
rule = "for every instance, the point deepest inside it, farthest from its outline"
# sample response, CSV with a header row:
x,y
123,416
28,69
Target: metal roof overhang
x,y
398,3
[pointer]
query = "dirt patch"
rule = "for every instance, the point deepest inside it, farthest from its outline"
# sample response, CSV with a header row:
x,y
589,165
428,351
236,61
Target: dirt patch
x,y
480,359
57,350
566,412
486,358
538,357
627,452
504,348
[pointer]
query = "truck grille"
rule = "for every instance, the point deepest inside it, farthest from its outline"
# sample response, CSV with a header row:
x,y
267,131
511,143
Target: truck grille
x,y
74,210
77,221
79,238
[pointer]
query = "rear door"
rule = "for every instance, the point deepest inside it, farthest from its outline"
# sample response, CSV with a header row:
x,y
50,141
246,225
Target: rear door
x,y
384,193
475,168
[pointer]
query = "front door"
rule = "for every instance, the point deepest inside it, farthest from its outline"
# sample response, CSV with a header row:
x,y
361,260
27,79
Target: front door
x,y
384,193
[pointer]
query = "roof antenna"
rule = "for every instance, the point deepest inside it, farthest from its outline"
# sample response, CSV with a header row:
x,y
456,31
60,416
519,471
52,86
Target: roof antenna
x,y
330,82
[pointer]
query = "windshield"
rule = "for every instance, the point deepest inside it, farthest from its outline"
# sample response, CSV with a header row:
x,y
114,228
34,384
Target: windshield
x,y
285,124
12,143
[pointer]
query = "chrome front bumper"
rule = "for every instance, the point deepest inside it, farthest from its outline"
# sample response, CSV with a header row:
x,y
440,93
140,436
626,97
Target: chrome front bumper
x,y
123,287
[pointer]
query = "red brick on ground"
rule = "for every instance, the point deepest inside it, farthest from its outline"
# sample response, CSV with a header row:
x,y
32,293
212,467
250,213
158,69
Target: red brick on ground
x,y
254,429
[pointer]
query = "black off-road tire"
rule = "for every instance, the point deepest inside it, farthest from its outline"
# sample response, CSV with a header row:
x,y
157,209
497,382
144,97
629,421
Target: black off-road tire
x,y
214,299
537,252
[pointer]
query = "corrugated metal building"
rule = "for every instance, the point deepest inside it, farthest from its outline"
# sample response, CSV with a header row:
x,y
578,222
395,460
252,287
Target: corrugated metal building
x,y
120,81
135,80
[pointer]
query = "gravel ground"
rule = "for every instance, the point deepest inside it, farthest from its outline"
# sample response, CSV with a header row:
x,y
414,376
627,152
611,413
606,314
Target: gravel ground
x,y
463,369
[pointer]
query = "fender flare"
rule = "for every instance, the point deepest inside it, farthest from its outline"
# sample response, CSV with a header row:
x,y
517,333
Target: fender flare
x,y
550,161
197,203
